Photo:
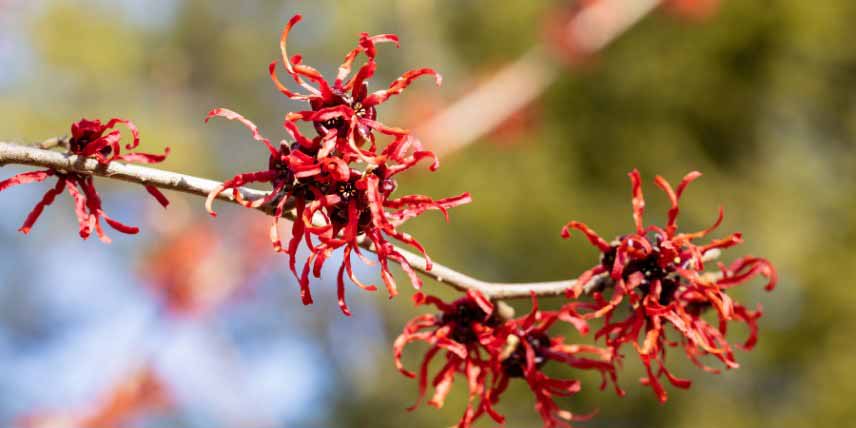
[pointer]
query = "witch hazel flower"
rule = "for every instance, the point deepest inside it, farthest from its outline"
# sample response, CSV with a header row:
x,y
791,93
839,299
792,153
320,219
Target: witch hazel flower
x,y
659,276
489,352
338,206
530,347
89,138
344,113
465,333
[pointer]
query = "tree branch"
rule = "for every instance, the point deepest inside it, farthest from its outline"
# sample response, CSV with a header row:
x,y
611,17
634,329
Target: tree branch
x,y
523,81
33,156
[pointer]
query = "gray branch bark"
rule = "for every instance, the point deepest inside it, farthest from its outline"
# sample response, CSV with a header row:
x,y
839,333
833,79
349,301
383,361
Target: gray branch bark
x,y
37,157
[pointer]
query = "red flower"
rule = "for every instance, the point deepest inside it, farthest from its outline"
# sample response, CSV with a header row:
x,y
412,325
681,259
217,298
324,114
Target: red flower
x,y
139,393
660,274
531,347
88,139
468,331
489,353
337,205
344,113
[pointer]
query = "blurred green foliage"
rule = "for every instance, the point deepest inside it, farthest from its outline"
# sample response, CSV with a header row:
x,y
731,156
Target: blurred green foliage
x,y
761,98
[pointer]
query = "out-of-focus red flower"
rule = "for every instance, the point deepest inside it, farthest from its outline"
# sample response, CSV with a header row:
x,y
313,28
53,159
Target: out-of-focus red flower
x,y
173,269
344,113
575,32
560,33
89,138
490,352
337,205
692,9
659,276
140,393
194,272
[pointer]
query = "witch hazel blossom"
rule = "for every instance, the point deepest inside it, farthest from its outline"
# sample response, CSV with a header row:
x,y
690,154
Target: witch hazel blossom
x,y
532,347
89,138
344,113
340,182
659,276
490,352
467,333
337,206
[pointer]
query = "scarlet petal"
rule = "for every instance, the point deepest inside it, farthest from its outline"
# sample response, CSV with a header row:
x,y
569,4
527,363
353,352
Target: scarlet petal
x,y
705,232
147,158
236,182
671,226
94,148
158,195
340,290
483,302
443,384
689,178
293,66
345,68
654,383
133,128
119,226
281,87
231,115
80,206
337,168
357,83
592,236
388,130
295,133
25,178
730,241
638,200
46,200
400,85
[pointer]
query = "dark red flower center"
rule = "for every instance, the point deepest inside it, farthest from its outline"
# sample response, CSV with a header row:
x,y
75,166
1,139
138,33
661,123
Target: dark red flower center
x,y
463,317
515,364
284,175
341,124
652,269
79,143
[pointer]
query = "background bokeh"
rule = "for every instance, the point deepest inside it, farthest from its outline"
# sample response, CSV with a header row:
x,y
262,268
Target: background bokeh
x,y
760,96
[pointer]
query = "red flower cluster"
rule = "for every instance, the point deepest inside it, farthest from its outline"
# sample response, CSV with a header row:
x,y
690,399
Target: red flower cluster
x,y
659,276
489,352
470,333
89,138
338,204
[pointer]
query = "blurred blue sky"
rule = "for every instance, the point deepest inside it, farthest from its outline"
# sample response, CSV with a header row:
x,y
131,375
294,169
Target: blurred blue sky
x,y
74,322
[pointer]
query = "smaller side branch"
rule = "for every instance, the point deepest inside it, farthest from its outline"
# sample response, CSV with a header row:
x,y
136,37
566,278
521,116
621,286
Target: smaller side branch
x,y
32,156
